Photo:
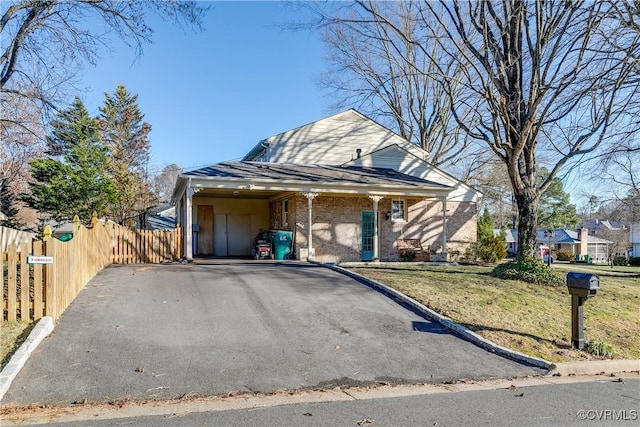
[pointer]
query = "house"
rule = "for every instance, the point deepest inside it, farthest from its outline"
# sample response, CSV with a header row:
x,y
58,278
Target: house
x,y
161,217
634,238
10,236
578,242
596,226
346,187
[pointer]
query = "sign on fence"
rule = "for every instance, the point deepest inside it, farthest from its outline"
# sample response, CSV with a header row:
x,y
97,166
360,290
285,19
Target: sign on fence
x,y
39,259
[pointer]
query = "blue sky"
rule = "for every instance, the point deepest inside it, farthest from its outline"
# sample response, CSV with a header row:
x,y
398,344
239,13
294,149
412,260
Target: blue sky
x,y
211,96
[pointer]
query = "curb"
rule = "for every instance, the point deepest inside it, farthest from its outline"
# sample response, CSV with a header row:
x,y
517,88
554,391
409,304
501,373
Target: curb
x,y
596,367
458,329
19,358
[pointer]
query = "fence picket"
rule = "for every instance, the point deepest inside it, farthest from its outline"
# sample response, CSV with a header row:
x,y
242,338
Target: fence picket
x,y
12,282
25,300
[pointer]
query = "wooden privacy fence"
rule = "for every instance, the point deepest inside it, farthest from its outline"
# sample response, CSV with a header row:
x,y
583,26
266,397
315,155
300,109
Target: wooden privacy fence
x,y
36,289
145,246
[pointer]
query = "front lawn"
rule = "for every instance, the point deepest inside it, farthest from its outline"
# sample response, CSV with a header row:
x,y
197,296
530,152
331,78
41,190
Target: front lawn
x,y
532,319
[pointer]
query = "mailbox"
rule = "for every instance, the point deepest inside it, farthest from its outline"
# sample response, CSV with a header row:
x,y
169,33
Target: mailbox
x,y
583,284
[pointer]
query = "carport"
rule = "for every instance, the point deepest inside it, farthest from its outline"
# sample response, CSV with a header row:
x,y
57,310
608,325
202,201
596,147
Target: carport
x,y
223,206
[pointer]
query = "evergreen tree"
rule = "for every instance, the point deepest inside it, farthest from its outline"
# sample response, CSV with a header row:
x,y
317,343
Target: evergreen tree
x,y
8,200
489,248
75,182
125,134
555,209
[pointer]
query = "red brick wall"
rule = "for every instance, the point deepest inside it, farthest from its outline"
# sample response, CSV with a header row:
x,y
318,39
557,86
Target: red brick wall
x,y
337,226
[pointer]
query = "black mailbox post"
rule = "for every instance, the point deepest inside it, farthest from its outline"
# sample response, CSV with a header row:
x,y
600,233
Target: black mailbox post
x,y
581,287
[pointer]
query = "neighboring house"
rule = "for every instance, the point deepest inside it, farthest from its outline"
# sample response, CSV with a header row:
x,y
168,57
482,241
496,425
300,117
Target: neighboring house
x,y
346,187
617,232
634,238
10,236
578,242
510,239
161,217
596,226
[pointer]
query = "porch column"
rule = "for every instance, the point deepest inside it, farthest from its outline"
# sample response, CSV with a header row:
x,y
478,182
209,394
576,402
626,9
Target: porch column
x,y
188,225
376,249
444,228
310,197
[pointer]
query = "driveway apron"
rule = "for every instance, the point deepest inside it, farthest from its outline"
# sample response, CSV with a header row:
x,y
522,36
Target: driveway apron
x,y
166,331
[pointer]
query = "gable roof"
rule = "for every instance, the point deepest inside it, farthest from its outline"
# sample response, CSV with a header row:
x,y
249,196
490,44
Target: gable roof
x,y
332,140
414,165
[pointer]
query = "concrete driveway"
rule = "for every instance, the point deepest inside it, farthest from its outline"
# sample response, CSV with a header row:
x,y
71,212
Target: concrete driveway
x,y
164,331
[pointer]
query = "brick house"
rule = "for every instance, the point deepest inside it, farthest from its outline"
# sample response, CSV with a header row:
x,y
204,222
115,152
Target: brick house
x,y
347,187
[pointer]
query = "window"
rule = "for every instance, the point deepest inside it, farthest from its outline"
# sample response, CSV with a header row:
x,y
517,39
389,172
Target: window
x,y
285,213
397,210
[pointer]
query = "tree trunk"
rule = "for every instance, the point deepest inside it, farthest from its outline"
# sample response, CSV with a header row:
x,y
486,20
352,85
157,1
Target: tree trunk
x,y
527,201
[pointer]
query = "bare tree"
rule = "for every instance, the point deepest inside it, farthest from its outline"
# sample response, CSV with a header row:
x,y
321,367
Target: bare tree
x,y
46,42
547,86
44,45
165,181
391,80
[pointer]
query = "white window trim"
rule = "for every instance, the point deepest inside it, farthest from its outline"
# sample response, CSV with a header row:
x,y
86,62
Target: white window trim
x,y
404,210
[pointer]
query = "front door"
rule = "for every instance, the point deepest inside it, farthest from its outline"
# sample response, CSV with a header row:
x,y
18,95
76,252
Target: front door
x,y
368,219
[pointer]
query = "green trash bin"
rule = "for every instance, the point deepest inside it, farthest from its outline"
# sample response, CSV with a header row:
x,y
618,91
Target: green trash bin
x,y
66,237
282,243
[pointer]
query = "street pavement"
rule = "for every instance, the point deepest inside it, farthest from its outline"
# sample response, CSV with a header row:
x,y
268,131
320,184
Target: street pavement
x,y
167,331
568,401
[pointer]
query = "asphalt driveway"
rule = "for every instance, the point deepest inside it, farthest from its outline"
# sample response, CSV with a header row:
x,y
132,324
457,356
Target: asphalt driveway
x,y
165,331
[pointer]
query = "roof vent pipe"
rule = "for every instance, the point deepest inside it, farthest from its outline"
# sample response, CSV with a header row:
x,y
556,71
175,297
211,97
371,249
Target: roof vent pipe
x,y
358,152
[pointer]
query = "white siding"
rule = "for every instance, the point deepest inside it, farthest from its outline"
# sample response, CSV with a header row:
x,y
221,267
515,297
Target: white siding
x,y
634,237
333,141
394,157
9,236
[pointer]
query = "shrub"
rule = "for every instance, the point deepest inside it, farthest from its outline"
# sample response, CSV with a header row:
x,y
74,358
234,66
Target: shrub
x,y
528,269
620,260
491,249
564,255
634,261
408,256
599,348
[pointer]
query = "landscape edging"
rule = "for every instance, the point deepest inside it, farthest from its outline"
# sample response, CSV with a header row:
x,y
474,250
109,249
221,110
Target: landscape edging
x,y
40,332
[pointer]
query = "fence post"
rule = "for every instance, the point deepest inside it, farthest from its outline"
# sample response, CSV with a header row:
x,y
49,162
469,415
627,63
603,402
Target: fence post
x,y
51,293
37,283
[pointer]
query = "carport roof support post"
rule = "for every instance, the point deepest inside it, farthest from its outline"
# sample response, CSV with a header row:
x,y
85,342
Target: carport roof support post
x,y
310,197
188,244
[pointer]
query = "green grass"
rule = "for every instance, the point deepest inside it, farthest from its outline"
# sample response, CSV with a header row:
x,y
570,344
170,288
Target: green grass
x,y
532,319
12,335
